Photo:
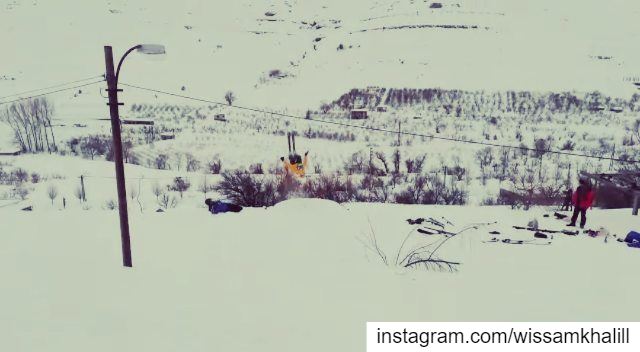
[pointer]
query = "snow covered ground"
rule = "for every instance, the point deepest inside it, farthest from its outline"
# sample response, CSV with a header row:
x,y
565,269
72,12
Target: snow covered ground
x,y
305,274
296,276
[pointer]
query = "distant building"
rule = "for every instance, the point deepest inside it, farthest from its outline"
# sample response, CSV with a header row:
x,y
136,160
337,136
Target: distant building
x,y
220,117
616,109
146,122
167,135
381,108
417,117
616,190
359,114
81,125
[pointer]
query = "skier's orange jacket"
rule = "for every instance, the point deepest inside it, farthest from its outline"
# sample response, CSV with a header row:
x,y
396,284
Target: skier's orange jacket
x,y
296,168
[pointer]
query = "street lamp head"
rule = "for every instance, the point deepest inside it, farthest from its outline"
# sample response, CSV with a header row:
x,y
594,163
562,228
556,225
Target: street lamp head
x,y
151,49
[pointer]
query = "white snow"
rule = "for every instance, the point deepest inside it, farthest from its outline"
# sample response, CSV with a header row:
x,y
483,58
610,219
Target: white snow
x,y
292,277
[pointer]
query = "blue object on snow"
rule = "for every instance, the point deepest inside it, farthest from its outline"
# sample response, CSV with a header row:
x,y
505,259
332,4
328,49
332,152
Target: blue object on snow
x,y
217,207
632,236
634,245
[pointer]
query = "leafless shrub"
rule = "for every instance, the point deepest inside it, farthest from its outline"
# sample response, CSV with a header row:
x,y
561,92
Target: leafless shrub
x,y
414,166
357,164
133,191
192,163
215,166
330,187
110,204
256,169
161,161
156,189
167,201
245,189
35,177
180,185
21,192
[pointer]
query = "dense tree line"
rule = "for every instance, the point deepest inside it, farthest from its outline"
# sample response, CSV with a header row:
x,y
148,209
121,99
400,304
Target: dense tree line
x,y
461,102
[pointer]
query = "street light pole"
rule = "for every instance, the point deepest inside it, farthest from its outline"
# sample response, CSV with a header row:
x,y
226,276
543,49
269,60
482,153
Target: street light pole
x,y
112,88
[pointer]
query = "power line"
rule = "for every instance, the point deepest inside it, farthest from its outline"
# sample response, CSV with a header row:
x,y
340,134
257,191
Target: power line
x,y
51,92
51,87
377,129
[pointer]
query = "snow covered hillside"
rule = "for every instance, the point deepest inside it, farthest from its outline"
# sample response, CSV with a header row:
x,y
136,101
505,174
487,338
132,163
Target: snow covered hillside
x,y
302,275
215,46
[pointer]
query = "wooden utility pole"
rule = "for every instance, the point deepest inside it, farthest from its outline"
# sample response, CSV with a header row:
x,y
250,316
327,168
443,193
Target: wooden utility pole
x,y
112,89
399,131
613,155
83,195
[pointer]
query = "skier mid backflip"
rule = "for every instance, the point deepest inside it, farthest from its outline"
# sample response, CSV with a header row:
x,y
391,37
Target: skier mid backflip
x,y
294,164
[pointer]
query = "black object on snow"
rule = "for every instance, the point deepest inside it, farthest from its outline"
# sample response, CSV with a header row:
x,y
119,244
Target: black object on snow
x,y
540,235
417,221
29,208
426,232
494,232
560,216
534,229
510,241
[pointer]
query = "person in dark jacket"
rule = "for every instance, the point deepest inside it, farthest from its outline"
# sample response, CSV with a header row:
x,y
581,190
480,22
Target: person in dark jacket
x,y
216,206
567,202
582,200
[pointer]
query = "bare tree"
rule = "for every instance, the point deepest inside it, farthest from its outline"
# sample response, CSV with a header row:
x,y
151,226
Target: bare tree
x,y
30,120
383,159
215,165
52,192
180,185
230,97
485,158
192,163
396,161
133,191
156,189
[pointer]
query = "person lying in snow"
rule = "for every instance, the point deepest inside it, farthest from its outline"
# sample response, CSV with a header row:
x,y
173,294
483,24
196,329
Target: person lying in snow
x,y
582,200
216,206
633,239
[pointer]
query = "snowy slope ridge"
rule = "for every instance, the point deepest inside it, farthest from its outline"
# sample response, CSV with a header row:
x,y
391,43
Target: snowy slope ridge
x,y
291,277
215,46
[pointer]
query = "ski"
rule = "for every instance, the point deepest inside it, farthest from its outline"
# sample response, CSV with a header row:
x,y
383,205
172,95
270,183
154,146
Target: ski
x,y
510,241
293,142
534,229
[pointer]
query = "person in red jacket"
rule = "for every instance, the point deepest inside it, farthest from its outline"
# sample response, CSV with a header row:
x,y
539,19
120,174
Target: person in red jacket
x,y
582,200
